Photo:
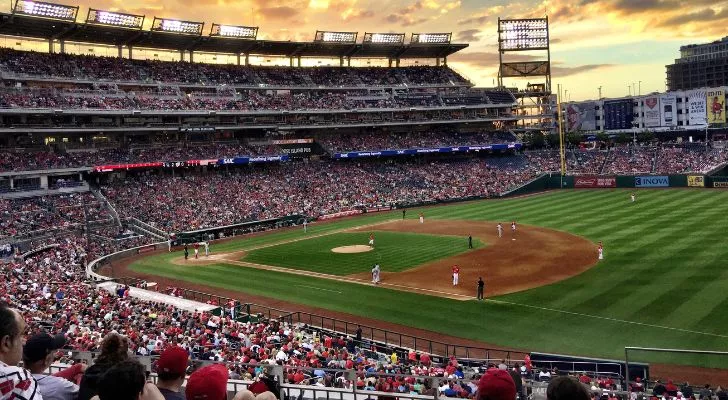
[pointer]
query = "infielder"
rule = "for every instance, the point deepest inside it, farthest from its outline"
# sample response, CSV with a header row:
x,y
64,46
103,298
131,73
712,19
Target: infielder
x,y
422,218
197,249
371,240
375,274
169,245
600,250
500,230
207,248
305,225
455,275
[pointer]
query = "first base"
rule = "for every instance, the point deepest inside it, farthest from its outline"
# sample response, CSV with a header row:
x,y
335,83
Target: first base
x,y
513,239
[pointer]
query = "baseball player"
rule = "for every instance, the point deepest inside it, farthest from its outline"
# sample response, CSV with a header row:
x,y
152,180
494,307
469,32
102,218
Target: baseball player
x,y
371,240
169,245
481,288
305,225
197,249
513,227
187,252
455,275
422,218
500,230
600,250
632,197
375,274
207,248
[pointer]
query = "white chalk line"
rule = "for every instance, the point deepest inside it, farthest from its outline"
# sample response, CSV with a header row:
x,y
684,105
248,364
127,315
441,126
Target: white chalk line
x,y
622,321
318,288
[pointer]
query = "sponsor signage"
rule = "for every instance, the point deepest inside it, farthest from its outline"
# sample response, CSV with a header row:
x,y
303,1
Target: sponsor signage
x,y
197,129
595,182
651,181
696,181
250,160
720,185
109,168
696,107
668,110
581,117
454,149
651,110
715,99
292,141
341,214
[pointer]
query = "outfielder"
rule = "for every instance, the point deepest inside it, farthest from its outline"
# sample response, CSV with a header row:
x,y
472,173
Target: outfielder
x,y
455,275
600,250
375,274
500,230
371,240
207,248
632,197
422,218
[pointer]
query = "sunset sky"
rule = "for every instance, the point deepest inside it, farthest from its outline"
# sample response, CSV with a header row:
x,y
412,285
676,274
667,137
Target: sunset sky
x,y
608,43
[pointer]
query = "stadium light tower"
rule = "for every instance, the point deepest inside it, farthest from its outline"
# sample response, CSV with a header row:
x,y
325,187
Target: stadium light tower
x,y
177,26
536,103
42,9
109,18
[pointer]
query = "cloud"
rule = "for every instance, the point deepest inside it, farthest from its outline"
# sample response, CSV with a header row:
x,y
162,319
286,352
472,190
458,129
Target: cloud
x,y
488,59
701,16
404,20
281,12
567,71
469,35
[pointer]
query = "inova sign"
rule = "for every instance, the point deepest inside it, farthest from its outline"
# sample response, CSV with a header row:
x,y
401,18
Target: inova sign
x,y
651,181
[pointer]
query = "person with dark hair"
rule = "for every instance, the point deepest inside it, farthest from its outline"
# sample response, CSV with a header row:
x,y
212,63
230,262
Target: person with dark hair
x,y
114,349
171,371
126,381
38,357
566,388
16,382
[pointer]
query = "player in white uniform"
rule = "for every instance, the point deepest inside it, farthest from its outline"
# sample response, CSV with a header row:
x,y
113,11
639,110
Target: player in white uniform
x,y
455,275
169,245
500,230
371,240
632,197
600,250
305,225
207,248
422,218
375,274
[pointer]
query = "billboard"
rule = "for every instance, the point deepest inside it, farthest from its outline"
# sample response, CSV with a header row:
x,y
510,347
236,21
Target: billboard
x,y
715,99
618,114
696,181
696,107
651,181
651,108
581,117
668,110
595,182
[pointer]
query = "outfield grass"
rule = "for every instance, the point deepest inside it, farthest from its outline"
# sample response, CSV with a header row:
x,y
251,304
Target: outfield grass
x,y
663,282
395,251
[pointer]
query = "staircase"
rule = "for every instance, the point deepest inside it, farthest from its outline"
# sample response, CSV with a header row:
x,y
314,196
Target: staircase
x,y
102,199
144,228
606,160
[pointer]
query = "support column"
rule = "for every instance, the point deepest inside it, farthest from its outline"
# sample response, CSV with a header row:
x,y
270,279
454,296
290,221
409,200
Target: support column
x,y
437,63
444,61
397,63
130,53
44,182
50,46
121,51
192,56
238,59
299,61
291,61
390,62
341,61
348,61
247,59
12,183
63,46
181,55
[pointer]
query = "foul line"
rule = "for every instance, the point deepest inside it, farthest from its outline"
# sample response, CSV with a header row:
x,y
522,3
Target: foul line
x,y
318,288
623,321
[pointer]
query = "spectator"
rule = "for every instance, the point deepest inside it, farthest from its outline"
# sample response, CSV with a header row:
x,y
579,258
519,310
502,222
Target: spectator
x,y
126,381
659,388
496,384
171,370
17,383
38,355
208,383
114,350
566,388
705,392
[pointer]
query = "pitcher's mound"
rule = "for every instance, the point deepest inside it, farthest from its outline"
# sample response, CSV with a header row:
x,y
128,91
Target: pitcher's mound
x,y
358,248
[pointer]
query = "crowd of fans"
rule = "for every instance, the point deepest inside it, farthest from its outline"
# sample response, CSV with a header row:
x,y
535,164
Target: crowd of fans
x,y
93,68
315,188
337,143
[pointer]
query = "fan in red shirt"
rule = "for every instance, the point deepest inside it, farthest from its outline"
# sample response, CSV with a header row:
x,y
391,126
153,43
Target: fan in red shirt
x,y
455,275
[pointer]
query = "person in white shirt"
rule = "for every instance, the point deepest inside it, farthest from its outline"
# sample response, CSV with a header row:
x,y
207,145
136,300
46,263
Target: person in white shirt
x,y
17,383
38,356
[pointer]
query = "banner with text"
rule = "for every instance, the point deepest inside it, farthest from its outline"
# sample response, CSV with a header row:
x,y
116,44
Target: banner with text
x,y
456,149
668,110
696,107
652,111
651,181
715,98
595,182
696,181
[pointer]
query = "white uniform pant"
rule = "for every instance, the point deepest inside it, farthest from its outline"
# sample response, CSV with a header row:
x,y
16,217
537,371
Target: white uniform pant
x,y
455,278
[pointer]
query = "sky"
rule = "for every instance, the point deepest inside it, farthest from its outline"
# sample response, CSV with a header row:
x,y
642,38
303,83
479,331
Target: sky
x,y
609,43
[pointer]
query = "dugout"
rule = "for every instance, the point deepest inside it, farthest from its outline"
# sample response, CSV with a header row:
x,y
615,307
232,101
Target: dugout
x,y
591,366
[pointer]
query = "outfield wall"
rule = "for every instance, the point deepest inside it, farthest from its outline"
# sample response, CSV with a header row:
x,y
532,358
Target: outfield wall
x,y
623,181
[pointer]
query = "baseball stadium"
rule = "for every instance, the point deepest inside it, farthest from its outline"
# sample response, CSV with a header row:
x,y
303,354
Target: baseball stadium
x,y
374,227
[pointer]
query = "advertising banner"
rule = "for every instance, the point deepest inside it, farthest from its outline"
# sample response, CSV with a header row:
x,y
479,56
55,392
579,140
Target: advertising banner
x,y
696,107
715,98
668,110
454,149
696,181
581,117
595,182
651,181
720,185
651,108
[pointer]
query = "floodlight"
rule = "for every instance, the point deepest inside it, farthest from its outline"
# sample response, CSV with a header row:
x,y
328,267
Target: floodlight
x,y
233,31
523,34
101,17
384,38
335,37
176,26
431,38
45,10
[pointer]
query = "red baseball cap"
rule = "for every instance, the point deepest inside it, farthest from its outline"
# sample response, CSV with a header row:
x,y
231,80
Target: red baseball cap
x,y
173,360
496,384
208,383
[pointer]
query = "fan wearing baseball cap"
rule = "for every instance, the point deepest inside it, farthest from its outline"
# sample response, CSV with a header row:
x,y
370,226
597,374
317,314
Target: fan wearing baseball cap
x,y
38,356
171,371
496,384
208,383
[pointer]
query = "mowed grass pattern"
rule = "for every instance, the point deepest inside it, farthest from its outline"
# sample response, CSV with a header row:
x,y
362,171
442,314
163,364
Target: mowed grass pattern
x,y
394,252
664,282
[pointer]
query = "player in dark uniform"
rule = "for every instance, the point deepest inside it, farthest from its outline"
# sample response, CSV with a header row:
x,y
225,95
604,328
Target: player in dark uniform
x,y
481,288
187,252
470,241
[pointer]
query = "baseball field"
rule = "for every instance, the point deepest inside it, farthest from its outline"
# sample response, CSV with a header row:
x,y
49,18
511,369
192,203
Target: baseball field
x,y
663,282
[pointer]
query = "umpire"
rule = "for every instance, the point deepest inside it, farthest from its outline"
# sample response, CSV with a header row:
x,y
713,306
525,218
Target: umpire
x,y
481,288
